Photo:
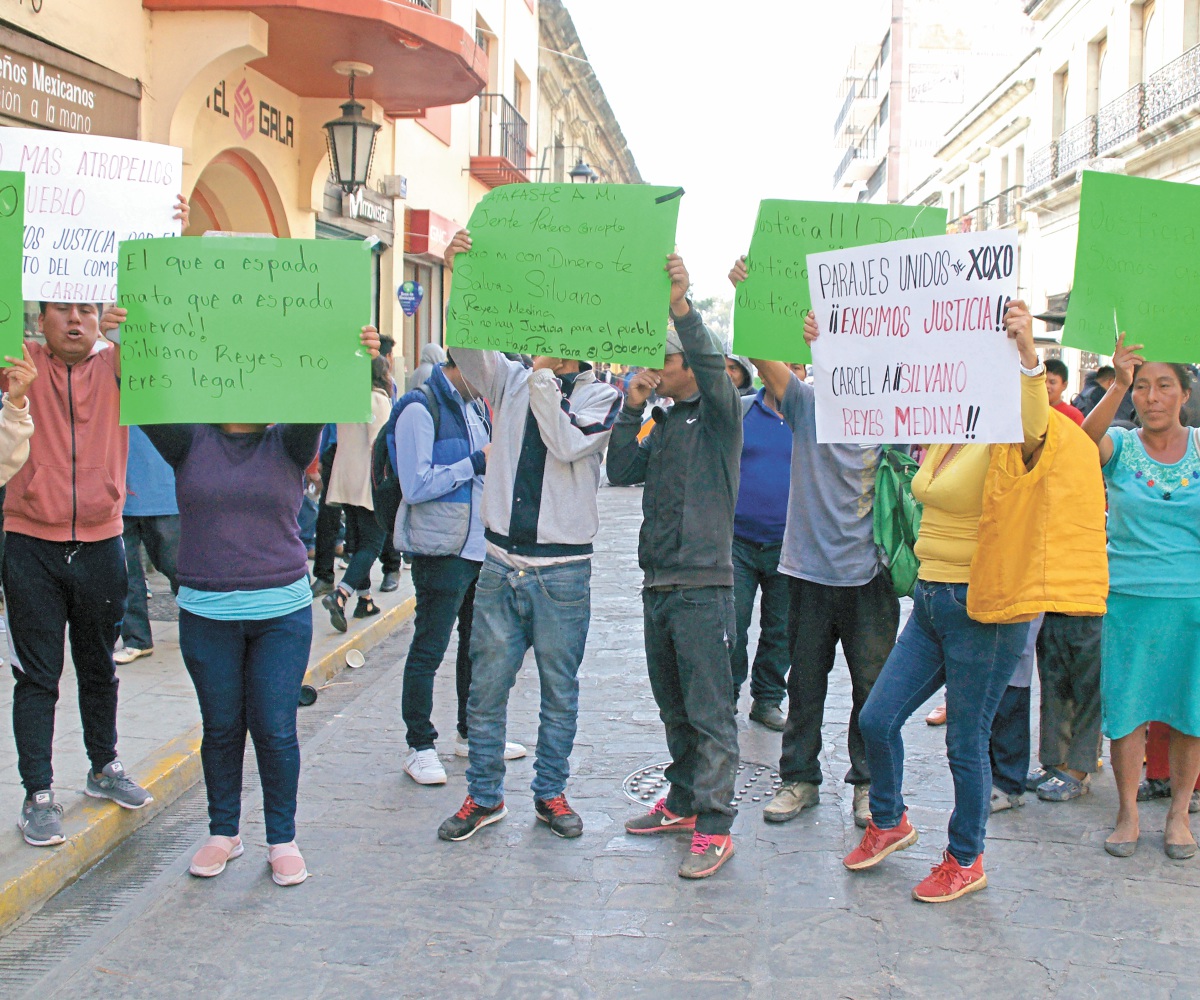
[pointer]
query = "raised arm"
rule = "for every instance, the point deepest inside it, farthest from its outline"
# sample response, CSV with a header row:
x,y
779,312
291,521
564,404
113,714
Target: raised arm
x,y
1035,403
627,456
776,375
1125,362
704,354
569,433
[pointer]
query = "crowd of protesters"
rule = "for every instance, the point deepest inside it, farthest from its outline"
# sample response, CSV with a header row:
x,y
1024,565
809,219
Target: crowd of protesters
x,y
498,460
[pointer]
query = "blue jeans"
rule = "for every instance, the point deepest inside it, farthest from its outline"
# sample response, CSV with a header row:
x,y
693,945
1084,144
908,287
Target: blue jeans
x,y
548,609
160,535
445,587
368,537
755,569
941,645
1009,745
247,676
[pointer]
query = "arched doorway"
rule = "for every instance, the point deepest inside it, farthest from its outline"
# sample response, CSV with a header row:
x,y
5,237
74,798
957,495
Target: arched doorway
x,y
234,193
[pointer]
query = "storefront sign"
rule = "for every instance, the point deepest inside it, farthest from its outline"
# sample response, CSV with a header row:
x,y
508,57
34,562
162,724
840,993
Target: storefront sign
x,y
410,295
83,195
913,347
368,206
250,115
45,86
427,233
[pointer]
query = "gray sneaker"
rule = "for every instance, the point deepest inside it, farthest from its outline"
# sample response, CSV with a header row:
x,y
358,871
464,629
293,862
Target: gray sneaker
x,y
790,800
768,715
862,806
114,784
1003,801
40,821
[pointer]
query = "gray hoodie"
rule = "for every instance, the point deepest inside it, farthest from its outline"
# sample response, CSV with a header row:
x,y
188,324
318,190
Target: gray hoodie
x,y
431,354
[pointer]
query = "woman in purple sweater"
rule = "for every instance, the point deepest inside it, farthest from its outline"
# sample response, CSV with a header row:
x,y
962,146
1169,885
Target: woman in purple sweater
x,y
245,619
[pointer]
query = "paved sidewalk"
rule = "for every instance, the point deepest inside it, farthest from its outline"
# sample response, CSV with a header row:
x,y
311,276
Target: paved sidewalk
x,y
392,911
158,742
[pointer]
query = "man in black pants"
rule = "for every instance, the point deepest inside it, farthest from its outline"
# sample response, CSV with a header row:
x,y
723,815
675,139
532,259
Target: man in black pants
x,y
690,465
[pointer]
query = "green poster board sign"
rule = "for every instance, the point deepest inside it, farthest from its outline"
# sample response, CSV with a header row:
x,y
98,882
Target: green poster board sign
x,y
12,241
1137,267
244,330
567,270
770,305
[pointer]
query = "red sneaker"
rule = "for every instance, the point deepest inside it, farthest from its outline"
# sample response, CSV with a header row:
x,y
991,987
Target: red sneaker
x,y
708,853
949,880
877,844
660,819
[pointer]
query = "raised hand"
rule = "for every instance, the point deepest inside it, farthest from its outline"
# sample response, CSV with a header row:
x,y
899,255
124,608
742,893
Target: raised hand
x,y
460,244
1126,360
642,387
20,376
680,283
1019,324
183,211
738,273
370,340
811,332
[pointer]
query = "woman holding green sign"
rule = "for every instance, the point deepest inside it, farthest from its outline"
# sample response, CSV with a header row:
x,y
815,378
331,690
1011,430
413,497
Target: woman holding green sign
x,y
245,620
1150,651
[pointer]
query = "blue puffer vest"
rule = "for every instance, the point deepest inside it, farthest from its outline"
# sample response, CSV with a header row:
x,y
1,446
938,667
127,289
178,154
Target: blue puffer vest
x,y
437,527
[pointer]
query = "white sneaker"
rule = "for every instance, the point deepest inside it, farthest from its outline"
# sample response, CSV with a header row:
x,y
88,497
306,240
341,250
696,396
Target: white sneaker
x,y
424,767
512,751
127,654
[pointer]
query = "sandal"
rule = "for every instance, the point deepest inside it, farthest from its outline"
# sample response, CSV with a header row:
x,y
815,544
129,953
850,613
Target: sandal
x,y
366,607
210,860
287,864
1038,775
1063,787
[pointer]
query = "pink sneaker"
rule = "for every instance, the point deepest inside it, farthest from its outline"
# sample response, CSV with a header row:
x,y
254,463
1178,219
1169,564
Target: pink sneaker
x,y
287,864
210,860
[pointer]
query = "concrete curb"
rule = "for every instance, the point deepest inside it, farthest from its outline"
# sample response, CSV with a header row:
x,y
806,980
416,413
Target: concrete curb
x,y
95,828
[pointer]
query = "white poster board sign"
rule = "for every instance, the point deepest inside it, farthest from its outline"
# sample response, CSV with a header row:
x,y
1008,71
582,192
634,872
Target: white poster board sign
x,y
912,347
83,195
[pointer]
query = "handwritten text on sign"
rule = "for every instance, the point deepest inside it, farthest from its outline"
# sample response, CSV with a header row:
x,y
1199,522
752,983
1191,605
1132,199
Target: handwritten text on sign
x,y
913,347
83,195
12,315
244,331
770,306
572,271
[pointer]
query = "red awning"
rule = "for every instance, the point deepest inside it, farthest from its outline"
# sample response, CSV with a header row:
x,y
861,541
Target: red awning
x,y
427,233
420,60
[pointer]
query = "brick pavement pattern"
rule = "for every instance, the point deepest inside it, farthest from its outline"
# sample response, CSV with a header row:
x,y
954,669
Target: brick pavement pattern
x,y
517,913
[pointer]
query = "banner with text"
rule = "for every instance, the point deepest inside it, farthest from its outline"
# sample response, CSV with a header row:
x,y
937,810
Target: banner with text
x,y
84,194
913,348
567,270
770,305
244,331
12,233
1137,266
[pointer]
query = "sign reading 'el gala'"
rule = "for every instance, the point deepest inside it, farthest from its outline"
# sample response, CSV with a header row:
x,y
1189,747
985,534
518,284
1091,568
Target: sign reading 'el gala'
x,y
913,348
83,195
1137,267
244,331
770,306
571,271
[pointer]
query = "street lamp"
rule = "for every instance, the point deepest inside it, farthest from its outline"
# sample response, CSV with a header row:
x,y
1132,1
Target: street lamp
x,y
351,138
581,173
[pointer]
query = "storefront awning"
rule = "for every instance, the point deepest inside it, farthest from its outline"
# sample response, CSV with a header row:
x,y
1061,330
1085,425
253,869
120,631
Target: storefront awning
x,y
420,60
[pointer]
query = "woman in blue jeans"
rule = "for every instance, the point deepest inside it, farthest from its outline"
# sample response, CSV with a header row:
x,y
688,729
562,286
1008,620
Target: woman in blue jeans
x,y
245,621
940,645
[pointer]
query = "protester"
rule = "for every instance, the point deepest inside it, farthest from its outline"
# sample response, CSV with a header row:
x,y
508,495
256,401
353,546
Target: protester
x,y
1095,385
151,519
440,464
328,546
741,374
552,422
350,487
390,561
245,619
432,355
758,528
940,645
1057,375
690,468
1150,649
839,591
1008,748
64,563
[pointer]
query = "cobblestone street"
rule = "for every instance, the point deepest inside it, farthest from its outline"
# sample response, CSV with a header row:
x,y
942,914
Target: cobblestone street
x,y
515,913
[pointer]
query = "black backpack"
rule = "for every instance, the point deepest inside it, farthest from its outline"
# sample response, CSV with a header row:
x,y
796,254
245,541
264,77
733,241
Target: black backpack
x,y
385,484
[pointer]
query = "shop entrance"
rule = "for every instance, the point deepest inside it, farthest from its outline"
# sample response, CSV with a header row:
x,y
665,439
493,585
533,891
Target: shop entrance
x,y
235,194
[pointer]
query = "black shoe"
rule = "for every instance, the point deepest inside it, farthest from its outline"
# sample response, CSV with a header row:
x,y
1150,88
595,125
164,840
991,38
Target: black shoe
x,y
335,604
768,715
391,582
471,817
321,587
365,607
559,816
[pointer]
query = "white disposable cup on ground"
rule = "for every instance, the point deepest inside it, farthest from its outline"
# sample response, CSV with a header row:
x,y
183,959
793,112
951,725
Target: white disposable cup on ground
x,y
355,658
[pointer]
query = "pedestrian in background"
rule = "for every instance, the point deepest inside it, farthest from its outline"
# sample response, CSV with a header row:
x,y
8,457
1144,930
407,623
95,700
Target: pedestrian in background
x,y
432,355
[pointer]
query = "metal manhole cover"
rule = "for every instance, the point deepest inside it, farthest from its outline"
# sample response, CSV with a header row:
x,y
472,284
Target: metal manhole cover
x,y
755,783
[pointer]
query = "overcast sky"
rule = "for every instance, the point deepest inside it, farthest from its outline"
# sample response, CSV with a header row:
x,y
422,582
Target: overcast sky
x,y
723,99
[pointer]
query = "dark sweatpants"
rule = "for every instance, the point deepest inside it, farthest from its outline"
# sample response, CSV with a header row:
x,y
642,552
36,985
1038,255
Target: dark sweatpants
x,y
1068,657
52,588
689,634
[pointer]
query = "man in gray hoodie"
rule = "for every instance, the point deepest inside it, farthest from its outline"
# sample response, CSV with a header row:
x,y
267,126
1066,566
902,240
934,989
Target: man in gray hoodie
x,y
690,466
552,423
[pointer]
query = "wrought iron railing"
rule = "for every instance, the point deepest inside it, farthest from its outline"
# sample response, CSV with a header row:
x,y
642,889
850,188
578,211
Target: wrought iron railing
x,y
840,120
1042,167
1077,145
864,149
1173,88
1120,120
1002,210
502,130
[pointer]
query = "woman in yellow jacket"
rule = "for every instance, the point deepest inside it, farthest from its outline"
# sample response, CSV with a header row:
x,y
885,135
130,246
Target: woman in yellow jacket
x,y
942,645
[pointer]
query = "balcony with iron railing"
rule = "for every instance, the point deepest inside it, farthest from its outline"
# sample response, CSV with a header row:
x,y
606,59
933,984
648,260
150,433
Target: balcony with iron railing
x,y
501,154
1171,91
858,162
1002,210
